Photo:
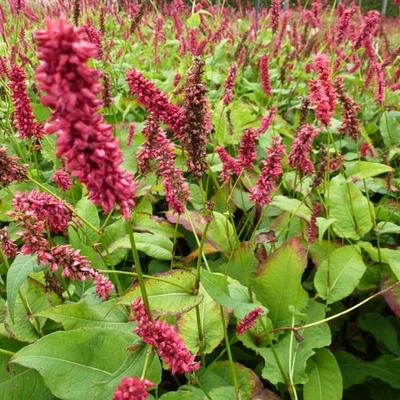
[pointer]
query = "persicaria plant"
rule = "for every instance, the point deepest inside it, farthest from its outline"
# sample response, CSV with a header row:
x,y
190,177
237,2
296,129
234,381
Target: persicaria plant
x,y
199,201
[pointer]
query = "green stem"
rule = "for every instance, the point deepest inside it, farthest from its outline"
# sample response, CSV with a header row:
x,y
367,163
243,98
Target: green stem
x,y
228,350
146,361
201,336
138,268
7,352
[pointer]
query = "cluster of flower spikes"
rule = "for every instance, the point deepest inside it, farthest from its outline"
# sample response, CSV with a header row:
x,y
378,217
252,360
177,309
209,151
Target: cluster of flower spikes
x,y
270,173
164,338
34,212
23,114
350,123
196,124
155,101
322,92
370,26
159,148
132,389
298,157
247,149
343,22
249,320
85,141
10,169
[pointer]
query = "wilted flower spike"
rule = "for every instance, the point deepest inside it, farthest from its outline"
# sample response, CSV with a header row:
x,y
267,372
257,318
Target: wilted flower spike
x,y
298,157
249,321
264,73
85,140
195,127
10,169
166,341
313,229
270,173
8,247
132,389
229,84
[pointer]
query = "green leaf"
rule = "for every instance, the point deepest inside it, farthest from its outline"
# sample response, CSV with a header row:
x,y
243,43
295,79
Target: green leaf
x,y
312,338
382,330
88,210
390,129
154,245
325,378
217,381
79,315
339,274
226,295
172,295
243,263
75,363
350,208
365,169
356,371
278,281
211,326
19,383
193,21
293,206
19,271
185,392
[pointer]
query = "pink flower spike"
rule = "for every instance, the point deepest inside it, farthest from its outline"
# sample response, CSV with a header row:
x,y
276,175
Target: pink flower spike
x,y
249,321
132,389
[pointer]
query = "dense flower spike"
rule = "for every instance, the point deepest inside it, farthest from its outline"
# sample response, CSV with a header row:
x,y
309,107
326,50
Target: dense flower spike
x,y
158,148
229,164
343,23
166,341
371,24
229,84
131,133
86,142
298,157
23,118
275,12
194,132
350,123
132,389
62,179
249,321
366,150
313,229
94,36
45,207
7,246
270,173
10,169
76,11
322,91
264,73
155,100
106,90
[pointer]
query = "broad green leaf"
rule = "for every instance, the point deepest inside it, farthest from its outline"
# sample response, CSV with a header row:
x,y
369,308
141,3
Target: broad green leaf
x,y
75,363
113,233
323,224
312,338
88,210
154,245
185,392
278,281
293,206
365,169
19,383
19,271
211,326
390,129
387,227
325,379
193,21
339,274
217,380
382,330
242,264
350,208
83,314
171,294
356,371
226,294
